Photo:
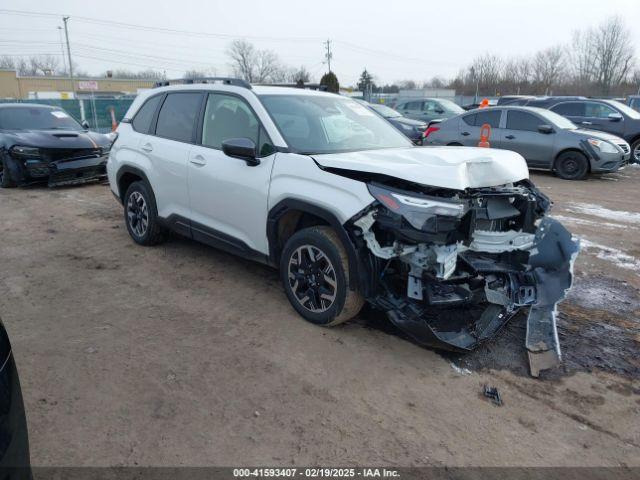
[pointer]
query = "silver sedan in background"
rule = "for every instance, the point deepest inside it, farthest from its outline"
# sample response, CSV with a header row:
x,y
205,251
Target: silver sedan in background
x,y
545,139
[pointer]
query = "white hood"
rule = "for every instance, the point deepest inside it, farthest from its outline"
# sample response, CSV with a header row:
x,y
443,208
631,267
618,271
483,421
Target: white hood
x,y
447,167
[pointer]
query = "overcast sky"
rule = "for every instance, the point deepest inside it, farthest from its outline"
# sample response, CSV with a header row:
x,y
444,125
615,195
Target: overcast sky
x,y
394,40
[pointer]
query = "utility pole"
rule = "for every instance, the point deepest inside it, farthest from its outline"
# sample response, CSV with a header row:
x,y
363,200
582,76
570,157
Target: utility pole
x,y
64,58
66,34
328,55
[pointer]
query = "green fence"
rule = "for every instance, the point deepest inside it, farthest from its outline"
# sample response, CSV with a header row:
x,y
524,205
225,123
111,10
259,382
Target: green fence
x,y
97,112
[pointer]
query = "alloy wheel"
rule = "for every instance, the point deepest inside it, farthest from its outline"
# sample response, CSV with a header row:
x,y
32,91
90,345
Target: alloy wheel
x,y
636,153
137,214
312,278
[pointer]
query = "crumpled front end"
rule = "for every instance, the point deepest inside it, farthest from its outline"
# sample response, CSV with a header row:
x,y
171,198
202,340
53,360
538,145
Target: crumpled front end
x,y
451,268
56,167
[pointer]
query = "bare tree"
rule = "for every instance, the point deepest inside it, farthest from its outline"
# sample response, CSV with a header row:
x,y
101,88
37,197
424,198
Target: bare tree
x,y
199,73
268,67
253,65
548,67
299,75
613,54
243,58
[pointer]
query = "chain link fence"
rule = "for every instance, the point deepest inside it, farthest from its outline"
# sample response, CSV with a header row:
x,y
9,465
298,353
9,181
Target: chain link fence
x,y
96,111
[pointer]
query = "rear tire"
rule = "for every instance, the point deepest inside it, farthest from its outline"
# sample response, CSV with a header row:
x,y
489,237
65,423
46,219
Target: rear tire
x,y
141,215
5,178
572,165
314,269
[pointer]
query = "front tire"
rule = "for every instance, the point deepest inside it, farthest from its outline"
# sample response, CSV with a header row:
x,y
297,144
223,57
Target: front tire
x,y
5,177
572,165
141,215
635,152
314,269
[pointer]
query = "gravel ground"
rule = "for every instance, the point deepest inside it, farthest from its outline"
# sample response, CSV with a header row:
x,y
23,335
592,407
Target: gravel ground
x,y
184,355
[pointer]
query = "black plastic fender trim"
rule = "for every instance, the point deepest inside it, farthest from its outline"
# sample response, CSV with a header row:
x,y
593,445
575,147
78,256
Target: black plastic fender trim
x,y
356,268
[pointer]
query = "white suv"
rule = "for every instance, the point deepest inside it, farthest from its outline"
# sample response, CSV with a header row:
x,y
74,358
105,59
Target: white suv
x,y
449,242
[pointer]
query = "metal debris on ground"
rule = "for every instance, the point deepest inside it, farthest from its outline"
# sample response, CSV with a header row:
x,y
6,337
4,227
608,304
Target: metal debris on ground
x,y
492,394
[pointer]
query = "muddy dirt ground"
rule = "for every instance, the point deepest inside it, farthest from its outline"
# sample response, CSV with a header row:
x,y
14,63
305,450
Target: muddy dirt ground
x,y
183,355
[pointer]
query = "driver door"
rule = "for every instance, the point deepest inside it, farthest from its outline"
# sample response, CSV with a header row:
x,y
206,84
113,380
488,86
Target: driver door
x,y
228,197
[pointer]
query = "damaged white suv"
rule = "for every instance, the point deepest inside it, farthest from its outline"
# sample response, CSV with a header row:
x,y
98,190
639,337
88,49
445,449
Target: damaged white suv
x,y
450,242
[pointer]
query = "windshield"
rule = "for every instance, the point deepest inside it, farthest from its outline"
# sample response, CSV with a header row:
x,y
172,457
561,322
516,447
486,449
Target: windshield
x,y
328,124
385,111
628,111
36,118
557,120
450,106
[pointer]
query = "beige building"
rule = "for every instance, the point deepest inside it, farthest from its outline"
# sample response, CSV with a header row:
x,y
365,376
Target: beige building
x,y
39,87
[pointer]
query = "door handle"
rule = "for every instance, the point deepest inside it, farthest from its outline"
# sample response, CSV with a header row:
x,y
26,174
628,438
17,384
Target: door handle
x,y
465,134
147,147
587,123
198,160
509,137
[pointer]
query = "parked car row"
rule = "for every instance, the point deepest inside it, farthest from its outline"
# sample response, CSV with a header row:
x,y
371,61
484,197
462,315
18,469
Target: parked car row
x,y
545,139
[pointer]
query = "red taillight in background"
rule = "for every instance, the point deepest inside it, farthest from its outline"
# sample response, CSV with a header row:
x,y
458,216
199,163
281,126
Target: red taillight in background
x,y
429,131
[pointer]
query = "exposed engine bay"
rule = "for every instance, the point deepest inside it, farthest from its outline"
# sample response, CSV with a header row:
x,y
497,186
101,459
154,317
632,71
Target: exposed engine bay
x,y
452,267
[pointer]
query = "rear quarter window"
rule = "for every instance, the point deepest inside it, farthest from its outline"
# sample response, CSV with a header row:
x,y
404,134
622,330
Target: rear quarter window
x,y
142,120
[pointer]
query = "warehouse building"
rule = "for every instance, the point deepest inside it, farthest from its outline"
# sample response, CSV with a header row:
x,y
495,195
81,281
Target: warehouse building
x,y
13,86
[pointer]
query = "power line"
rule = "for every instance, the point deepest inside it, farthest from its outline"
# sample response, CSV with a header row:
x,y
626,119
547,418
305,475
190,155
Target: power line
x,y
171,31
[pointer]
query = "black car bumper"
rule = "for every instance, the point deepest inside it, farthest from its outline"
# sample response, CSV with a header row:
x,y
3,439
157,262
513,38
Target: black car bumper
x,y
56,173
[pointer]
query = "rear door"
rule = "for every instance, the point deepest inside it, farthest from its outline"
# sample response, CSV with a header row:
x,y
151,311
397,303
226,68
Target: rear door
x,y
412,109
471,124
168,151
521,135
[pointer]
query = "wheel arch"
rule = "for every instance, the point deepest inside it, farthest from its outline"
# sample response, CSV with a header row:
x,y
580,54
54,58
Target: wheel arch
x,y
128,174
291,215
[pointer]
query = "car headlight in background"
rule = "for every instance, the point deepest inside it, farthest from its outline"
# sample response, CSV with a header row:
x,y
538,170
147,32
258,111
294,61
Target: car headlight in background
x,y
19,151
603,145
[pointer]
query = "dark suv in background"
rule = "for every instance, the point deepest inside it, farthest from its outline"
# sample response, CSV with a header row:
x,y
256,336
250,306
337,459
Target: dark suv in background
x,y
605,115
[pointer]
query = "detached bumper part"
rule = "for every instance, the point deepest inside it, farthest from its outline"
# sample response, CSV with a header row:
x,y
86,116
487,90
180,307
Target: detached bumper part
x,y
552,265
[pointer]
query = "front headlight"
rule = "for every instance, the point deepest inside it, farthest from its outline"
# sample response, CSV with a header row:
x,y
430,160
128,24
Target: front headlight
x,y
602,145
25,152
418,210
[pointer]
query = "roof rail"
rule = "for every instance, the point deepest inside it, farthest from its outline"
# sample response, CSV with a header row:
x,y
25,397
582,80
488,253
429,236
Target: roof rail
x,y
238,82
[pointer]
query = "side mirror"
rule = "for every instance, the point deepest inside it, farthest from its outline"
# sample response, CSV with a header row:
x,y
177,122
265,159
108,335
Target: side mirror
x,y
615,117
85,125
546,129
242,148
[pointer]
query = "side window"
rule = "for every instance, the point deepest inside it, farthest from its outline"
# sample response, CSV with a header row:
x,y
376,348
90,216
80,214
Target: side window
x,y
470,119
142,120
227,116
413,106
570,109
517,120
598,110
430,106
177,116
492,117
